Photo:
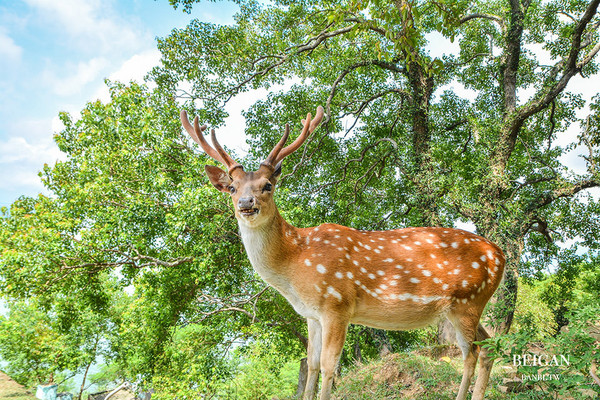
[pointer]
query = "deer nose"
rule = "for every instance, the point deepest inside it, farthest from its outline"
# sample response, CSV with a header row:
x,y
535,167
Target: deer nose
x,y
245,203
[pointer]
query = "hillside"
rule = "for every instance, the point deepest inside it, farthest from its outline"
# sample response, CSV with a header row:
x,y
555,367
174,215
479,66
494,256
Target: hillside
x,y
11,390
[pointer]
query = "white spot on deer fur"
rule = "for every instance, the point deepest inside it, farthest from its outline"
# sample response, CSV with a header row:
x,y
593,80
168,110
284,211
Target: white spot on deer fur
x,y
432,255
409,259
360,244
497,261
317,239
350,239
483,258
355,262
482,284
383,286
321,269
307,262
426,272
465,283
340,248
472,296
334,293
371,276
445,286
317,288
378,291
394,241
388,260
377,251
372,241
363,270
349,275
337,236
464,301
380,273
347,256
367,258
355,248
399,266
407,247
456,271
475,264
443,244
446,262
467,241
429,241
380,247
454,244
339,275
357,282
417,243
367,247
415,280
326,241
393,283
420,266
435,280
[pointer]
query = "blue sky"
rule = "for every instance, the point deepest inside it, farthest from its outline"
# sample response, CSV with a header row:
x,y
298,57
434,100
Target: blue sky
x,y
55,55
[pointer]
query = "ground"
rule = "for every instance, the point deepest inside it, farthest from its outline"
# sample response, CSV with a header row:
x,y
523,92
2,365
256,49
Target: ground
x,y
11,390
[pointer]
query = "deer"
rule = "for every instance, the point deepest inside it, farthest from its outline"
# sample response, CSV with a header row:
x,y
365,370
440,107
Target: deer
x,y
334,275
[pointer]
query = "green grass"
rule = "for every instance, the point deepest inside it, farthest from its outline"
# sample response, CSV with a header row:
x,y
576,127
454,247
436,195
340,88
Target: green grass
x,y
409,376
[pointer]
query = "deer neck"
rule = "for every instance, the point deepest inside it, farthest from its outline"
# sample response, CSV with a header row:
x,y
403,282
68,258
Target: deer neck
x,y
269,246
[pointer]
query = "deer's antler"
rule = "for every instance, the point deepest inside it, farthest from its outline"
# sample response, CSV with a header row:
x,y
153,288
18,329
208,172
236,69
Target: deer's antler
x,y
196,132
279,152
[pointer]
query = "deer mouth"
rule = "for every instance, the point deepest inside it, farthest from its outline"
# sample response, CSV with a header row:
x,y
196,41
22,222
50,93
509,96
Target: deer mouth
x,y
248,212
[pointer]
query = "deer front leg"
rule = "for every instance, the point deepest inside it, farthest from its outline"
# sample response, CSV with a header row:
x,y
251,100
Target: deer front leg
x,y
313,358
334,335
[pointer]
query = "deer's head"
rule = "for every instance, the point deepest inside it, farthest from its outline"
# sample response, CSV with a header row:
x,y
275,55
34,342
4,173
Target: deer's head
x,y
251,192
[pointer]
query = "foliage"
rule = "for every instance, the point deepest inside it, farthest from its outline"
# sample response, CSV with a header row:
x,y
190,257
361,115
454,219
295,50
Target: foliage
x,y
133,235
533,317
262,372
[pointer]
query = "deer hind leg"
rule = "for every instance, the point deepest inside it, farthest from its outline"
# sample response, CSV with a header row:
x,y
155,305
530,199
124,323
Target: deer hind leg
x,y
466,332
334,335
313,358
485,366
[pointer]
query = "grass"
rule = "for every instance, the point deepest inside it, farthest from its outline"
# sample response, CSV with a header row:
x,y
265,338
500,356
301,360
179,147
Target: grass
x,y
432,373
11,390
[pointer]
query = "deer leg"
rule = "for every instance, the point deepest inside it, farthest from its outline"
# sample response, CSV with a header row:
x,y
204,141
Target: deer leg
x,y
313,359
334,335
465,334
485,366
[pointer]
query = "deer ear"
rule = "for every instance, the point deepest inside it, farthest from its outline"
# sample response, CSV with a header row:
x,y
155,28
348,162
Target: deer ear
x,y
218,178
275,175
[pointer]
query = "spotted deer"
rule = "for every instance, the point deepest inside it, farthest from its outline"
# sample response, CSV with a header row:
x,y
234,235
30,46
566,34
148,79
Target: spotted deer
x,y
334,275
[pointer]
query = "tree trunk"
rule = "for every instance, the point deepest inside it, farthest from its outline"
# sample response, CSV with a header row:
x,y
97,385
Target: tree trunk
x,y
302,376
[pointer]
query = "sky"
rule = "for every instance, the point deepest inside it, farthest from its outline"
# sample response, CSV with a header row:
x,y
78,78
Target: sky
x,y
55,55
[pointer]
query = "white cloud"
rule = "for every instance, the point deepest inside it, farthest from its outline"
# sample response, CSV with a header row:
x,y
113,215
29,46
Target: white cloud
x,y
134,69
92,24
9,50
75,77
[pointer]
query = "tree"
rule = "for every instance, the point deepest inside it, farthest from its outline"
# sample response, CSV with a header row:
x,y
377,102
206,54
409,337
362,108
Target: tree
x,y
416,152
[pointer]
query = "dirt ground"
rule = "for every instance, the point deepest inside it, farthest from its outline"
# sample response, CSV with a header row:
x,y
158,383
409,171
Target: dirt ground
x,y
10,389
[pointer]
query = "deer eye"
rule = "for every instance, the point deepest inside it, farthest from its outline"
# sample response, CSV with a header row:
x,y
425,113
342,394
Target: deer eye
x,y
231,189
267,187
